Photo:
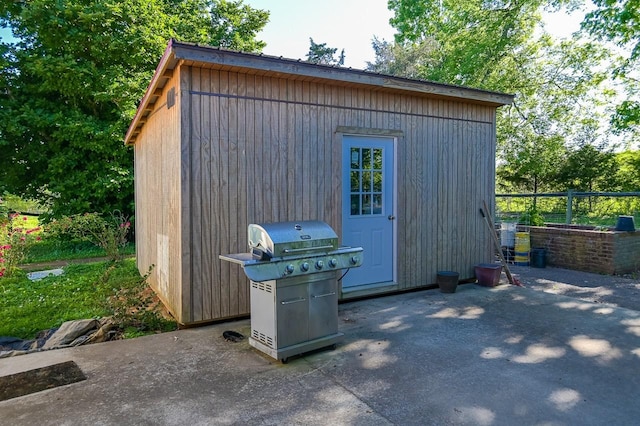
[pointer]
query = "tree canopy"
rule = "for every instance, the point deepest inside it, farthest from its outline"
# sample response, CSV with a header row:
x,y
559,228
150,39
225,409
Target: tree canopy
x,y
619,22
320,53
560,85
70,83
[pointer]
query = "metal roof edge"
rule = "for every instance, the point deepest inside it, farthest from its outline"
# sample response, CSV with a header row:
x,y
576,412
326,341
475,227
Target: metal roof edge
x,y
158,73
208,54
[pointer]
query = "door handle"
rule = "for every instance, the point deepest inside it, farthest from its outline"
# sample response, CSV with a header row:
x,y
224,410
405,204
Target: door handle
x,y
391,217
290,301
333,293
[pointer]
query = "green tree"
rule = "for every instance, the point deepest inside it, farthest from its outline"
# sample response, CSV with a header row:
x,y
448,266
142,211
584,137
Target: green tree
x,y
475,38
628,171
531,166
71,82
618,21
494,45
320,53
589,168
407,60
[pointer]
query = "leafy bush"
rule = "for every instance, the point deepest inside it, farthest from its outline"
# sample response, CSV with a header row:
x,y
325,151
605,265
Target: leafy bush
x,y
15,240
4,212
531,217
108,234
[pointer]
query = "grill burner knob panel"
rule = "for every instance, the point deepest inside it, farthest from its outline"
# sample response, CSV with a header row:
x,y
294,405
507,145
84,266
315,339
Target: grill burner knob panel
x,y
319,264
304,267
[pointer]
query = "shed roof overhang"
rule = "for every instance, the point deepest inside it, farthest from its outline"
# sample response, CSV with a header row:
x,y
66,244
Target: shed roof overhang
x,y
227,60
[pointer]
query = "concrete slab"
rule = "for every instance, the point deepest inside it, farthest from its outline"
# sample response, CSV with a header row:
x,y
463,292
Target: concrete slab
x,y
480,356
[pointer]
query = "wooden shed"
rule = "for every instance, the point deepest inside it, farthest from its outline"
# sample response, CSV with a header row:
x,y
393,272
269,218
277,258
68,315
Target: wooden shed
x,y
223,139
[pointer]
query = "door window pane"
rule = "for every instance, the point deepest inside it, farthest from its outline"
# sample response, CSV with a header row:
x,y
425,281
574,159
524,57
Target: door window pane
x,y
355,181
355,158
366,182
377,159
377,181
366,203
355,205
366,159
377,203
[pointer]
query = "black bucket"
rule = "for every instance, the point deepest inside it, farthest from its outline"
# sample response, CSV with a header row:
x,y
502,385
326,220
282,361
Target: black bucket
x,y
539,257
447,281
625,223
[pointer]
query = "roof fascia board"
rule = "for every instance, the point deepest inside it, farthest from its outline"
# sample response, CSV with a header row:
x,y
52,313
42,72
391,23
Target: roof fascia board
x,y
157,75
292,67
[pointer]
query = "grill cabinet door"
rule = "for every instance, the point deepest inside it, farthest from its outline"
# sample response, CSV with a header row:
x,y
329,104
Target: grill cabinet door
x,y
323,307
292,304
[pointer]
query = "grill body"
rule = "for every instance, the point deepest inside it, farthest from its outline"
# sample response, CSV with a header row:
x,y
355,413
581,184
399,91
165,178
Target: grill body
x,y
293,268
294,315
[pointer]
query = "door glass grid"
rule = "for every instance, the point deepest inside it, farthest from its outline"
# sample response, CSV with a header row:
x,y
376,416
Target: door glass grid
x,y
366,181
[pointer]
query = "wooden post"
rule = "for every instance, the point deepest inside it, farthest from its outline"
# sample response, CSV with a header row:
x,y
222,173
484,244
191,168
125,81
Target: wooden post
x,y
569,206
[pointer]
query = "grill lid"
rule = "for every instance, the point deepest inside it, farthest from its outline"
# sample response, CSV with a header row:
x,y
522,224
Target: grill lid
x,y
282,239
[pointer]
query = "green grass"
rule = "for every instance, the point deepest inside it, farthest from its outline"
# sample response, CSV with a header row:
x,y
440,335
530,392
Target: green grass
x,y
50,250
53,250
84,291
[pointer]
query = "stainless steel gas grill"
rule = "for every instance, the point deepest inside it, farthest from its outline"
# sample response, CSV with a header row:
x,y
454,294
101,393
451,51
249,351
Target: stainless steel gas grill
x,y
293,269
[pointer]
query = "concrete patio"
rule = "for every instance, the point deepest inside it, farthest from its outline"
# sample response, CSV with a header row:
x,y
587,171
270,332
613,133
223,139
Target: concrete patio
x,y
482,356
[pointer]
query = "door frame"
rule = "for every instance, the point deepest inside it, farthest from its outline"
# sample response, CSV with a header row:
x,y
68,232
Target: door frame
x,y
391,137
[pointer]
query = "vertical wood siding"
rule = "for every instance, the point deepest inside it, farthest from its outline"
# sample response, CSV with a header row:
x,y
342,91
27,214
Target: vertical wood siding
x,y
261,149
158,196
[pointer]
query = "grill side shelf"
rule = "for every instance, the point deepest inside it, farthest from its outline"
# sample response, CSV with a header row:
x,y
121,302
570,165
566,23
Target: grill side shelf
x,y
256,270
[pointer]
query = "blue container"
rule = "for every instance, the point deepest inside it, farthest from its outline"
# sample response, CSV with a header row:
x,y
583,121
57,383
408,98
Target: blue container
x,y
539,257
625,223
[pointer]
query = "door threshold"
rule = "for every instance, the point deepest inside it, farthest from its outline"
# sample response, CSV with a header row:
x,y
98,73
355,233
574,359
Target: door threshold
x,y
368,289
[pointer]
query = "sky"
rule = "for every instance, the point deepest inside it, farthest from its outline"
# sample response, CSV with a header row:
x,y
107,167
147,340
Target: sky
x,y
344,24
349,25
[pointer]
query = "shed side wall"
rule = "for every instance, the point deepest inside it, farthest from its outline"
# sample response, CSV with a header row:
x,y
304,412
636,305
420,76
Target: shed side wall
x,y
264,149
158,198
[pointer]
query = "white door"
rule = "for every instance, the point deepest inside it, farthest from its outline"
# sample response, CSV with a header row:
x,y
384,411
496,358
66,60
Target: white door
x,y
367,207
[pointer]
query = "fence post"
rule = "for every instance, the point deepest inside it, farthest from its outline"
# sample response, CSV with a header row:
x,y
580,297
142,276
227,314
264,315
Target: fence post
x,y
569,206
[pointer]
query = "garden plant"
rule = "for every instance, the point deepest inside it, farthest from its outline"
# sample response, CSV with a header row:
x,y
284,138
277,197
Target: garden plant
x,y
94,289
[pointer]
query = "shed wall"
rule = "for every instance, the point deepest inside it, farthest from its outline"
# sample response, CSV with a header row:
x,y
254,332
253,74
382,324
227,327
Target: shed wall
x,y
158,201
262,149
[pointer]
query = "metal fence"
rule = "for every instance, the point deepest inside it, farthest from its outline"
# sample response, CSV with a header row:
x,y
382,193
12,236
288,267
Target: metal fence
x,y
572,207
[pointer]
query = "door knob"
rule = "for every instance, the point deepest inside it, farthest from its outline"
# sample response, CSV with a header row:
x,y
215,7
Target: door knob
x,y
391,217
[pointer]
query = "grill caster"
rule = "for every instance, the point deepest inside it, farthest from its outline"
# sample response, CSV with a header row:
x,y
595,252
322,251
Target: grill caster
x,y
284,360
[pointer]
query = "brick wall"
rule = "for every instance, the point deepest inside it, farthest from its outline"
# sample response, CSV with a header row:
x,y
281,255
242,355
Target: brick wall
x,y
588,250
627,252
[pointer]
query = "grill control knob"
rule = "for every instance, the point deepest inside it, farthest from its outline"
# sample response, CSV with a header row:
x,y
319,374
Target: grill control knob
x,y
289,269
333,263
304,267
354,260
319,264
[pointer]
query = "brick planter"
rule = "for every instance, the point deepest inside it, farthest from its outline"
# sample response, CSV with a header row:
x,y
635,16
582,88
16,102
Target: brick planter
x,y
604,252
